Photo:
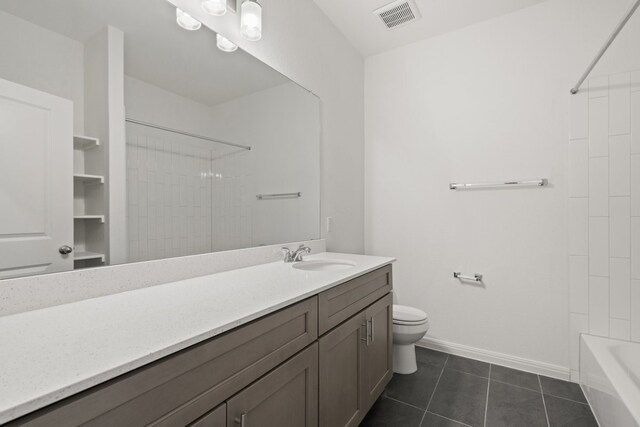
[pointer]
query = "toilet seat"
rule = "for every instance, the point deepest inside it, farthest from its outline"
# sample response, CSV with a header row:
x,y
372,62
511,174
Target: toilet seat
x,y
404,315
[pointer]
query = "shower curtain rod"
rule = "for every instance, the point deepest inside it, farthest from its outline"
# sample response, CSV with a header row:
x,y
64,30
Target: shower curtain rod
x,y
604,48
192,135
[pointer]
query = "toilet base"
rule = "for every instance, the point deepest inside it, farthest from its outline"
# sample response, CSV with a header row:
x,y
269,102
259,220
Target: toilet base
x,y
404,359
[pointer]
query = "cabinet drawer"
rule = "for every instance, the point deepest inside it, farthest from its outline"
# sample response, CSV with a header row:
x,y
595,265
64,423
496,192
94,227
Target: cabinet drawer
x,y
340,303
179,389
286,397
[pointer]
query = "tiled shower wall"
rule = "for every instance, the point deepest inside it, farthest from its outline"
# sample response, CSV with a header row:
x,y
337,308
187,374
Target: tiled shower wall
x,y
169,198
604,210
232,201
185,198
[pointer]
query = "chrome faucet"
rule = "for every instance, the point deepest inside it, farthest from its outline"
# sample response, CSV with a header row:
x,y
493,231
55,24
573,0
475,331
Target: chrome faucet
x,y
295,256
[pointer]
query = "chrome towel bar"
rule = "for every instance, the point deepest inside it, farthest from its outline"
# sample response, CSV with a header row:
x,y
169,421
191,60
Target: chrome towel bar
x,y
537,182
279,196
474,278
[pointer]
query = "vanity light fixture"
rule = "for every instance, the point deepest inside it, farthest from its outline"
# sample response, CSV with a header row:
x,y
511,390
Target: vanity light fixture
x,y
187,21
225,45
251,20
215,7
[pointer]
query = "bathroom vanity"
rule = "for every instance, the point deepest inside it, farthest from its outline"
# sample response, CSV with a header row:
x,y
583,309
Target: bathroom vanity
x,y
307,348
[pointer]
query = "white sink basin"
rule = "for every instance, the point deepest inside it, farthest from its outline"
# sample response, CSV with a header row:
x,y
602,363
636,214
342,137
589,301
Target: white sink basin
x,y
324,265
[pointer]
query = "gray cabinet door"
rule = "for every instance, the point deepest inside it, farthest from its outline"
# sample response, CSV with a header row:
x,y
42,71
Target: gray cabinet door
x,y
286,397
378,355
341,367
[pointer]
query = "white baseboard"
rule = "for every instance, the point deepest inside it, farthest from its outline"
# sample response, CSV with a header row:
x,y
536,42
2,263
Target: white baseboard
x,y
515,362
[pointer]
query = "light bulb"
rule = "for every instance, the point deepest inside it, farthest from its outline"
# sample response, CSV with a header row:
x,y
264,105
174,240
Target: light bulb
x,y
224,44
215,7
187,21
251,20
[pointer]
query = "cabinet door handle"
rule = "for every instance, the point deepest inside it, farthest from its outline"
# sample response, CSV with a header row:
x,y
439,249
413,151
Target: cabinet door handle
x,y
373,324
366,333
243,420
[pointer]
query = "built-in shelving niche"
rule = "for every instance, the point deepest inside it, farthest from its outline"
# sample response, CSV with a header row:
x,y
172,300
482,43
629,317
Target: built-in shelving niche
x,y
88,202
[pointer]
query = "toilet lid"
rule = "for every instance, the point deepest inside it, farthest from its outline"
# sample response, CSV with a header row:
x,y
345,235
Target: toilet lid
x,y
403,313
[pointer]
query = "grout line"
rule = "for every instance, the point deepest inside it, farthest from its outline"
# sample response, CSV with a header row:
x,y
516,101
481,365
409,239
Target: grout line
x,y
434,389
486,403
450,419
514,385
619,318
546,414
422,419
404,403
469,373
566,398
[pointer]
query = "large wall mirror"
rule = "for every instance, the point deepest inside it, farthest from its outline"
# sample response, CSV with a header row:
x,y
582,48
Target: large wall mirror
x,y
125,138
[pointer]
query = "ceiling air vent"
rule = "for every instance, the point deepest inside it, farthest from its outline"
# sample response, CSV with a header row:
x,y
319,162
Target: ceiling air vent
x,y
398,13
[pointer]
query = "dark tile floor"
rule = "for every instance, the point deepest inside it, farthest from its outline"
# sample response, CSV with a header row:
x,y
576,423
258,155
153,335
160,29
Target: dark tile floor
x,y
450,391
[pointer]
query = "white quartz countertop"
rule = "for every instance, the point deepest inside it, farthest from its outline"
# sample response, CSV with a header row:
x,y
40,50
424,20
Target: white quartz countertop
x,y
52,353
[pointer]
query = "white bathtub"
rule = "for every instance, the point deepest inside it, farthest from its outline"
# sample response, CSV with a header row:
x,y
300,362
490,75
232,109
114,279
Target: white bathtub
x,y
610,378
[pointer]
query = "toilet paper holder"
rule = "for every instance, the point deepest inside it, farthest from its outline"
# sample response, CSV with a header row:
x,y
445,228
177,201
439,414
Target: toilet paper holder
x,y
474,278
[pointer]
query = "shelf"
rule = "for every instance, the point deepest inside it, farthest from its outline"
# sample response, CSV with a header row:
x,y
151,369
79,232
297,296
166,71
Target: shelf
x,y
90,217
84,256
88,179
85,142
98,217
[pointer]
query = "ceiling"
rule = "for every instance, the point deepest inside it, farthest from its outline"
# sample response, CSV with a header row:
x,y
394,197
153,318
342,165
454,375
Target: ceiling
x,y
369,36
156,49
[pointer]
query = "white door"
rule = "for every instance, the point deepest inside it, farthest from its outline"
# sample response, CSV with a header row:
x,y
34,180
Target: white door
x,y
36,181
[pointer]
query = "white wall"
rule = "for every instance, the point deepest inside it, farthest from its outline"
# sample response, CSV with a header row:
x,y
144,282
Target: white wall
x,y
301,42
104,103
284,136
41,59
486,103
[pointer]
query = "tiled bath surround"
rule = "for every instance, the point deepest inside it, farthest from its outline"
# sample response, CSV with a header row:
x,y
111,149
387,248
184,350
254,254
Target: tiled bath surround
x,y
604,210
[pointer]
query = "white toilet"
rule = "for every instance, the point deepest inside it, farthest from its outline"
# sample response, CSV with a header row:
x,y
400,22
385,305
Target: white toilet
x,y
409,326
